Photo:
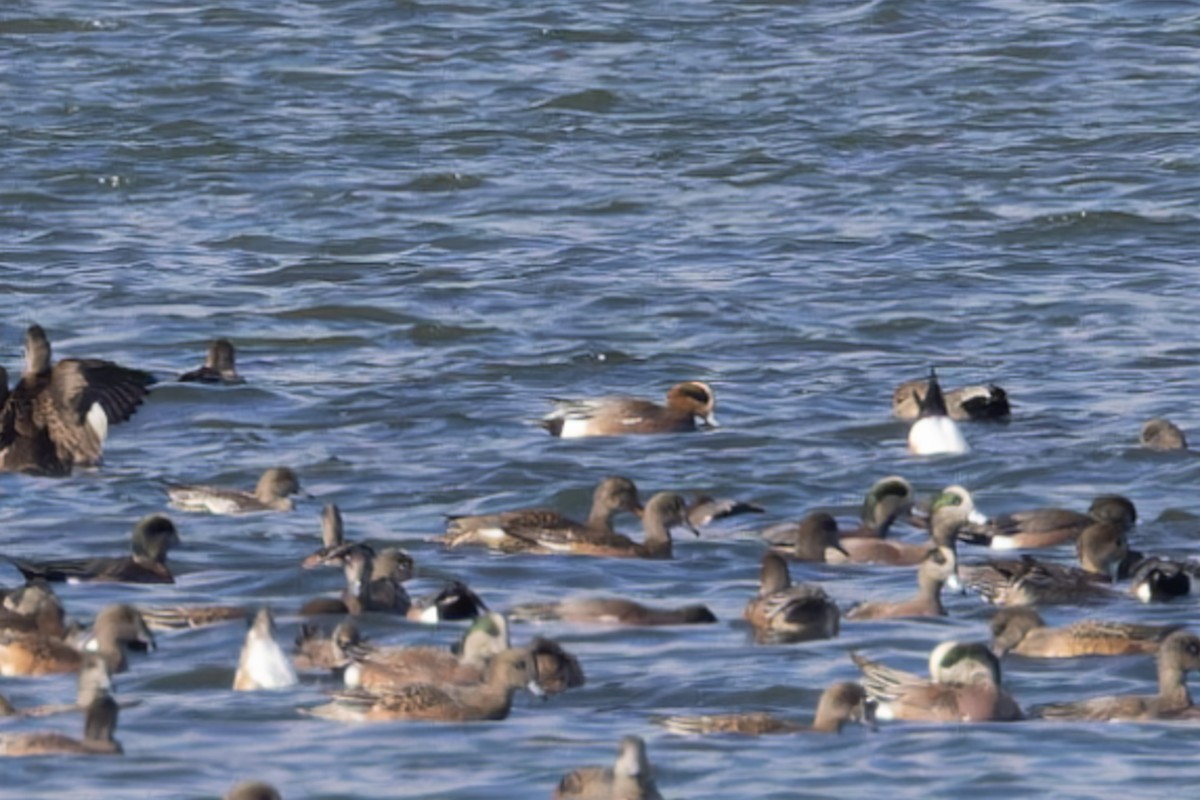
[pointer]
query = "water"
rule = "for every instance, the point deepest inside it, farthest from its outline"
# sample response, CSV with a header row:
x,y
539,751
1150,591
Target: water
x,y
417,221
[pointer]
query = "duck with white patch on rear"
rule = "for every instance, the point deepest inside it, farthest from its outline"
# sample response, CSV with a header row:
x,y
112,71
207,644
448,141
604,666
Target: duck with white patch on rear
x,y
934,432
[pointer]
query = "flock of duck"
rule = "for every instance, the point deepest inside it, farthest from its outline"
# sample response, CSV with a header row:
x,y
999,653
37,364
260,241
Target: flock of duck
x,y
57,416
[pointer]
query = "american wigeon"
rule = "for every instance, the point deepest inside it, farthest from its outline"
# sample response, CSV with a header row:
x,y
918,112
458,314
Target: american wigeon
x,y
815,538
93,680
1156,579
1047,527
783,611
116,628
664,511
934,432
965,404
705,509
630,778
253,790
964,686
1101,549
273,493
1162,434
57,417
379,669
262,663
454,600
557,669
1178,655
952,510
152,539
173,618
619,415
1023,632
491,699
886,501
939,568
317,652
611,611
218,366
522,530
374,582
100,723
33,609
839,704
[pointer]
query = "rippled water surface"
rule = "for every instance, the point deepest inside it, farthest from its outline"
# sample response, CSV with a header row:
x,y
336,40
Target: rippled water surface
x,y
419,220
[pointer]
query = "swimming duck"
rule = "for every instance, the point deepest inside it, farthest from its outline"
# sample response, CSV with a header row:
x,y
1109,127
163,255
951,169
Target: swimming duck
x,y
630,778
618,415
33,609
453,601
1047,527
611,611
93,679
1101,549
839,704
253,790
1162,434
262,663
382,668
116,628
951,512
316,652
273,493
887,500
218,366
934,432
815,539
783,611
964,686
152,538
1158,579
939,568
1023,632
57,417
98,727
969,403
1178,655
506,673
522,530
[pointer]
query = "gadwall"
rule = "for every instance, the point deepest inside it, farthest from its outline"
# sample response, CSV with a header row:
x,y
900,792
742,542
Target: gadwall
x,y
57,417
1047,527
273,493
934,432
99,725
630,778
939,568
839,704
1162,434
617,416
218,366
152,539
454,600
1023,632
611,611
523,529
965,404
262,663
783,611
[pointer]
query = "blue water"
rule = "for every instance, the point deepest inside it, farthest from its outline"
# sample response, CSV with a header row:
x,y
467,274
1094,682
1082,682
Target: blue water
x,y
417,221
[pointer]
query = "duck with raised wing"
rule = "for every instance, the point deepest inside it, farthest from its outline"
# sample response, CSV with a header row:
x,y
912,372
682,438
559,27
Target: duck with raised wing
x,y
950,513
116,628
618,415
630,778
1162,434
273,493
218,366
521,530
966,404
964,686
99,725
262,663
939,568
934,432
1023,632
705,509
611,611
57,416
153,537
1047,527
783,611
839,704
1178,655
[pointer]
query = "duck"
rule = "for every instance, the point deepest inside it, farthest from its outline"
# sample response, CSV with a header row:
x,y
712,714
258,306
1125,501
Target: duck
x,y
373,583
840,704
934,432
94,678
317,652
523,529
704,509
887,500
218,366
619,415
379,669
1023,632
964,685
815,540
1101,549
174,618
1156,579
453,601
952,511
557,669
57,416
153,537
262,663
1162,434
630,778
939,568
783,611
966,404
1048,527
253,790
33,609
117,627
611,611
491,699
333,537
100,723
1178,655
273,493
